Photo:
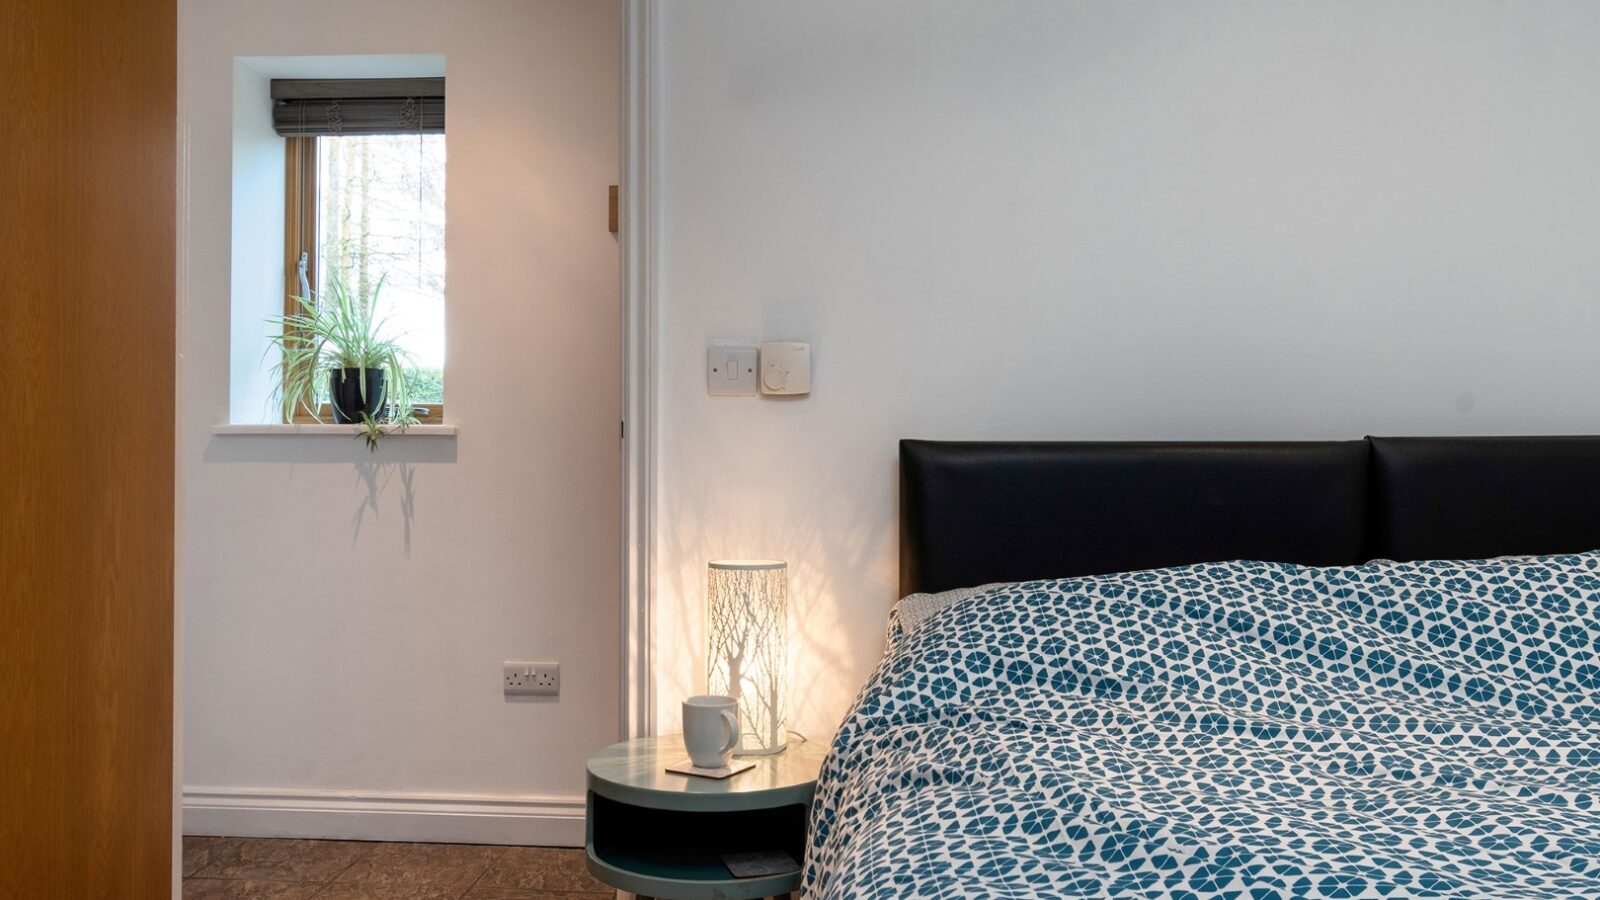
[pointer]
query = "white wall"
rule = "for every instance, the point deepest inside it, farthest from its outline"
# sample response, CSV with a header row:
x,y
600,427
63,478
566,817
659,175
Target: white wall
x,y
1097,220
346,614
256,284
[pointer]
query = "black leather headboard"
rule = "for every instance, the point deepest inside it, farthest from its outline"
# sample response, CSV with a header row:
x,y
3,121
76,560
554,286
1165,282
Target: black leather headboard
x,y
978,512
1469,498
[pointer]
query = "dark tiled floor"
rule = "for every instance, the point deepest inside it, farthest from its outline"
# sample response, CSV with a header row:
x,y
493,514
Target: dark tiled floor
x,y
221,868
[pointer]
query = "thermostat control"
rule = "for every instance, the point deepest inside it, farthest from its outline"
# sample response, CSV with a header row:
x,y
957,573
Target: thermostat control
x,y
785,368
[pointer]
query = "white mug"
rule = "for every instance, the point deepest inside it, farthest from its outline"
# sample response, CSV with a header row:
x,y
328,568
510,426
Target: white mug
x,y
710,729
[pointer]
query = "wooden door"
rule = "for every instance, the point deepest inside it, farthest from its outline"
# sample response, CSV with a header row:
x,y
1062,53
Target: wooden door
x,y
87,200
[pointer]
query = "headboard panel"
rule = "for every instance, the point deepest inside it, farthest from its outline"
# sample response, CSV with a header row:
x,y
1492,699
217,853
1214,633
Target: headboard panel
x,y
978,512
972,513
1472,497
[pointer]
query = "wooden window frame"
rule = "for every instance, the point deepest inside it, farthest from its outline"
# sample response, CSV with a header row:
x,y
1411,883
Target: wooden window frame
x,y
300,223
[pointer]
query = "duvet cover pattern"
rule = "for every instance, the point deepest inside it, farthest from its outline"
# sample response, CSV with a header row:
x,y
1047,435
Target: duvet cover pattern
x,y
1249,730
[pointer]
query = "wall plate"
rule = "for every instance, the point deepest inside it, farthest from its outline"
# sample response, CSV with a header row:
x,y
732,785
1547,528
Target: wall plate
x,y
785,368
731,370
531,679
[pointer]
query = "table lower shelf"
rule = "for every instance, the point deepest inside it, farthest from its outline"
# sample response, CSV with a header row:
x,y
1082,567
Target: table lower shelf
x,y
686,880
678,855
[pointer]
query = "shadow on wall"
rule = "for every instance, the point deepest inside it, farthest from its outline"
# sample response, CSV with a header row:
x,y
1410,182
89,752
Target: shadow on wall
x,y
374,472
839,593
375,477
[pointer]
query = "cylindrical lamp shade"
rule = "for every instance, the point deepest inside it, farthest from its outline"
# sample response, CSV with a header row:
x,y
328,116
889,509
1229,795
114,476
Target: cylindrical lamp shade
x,y
748,630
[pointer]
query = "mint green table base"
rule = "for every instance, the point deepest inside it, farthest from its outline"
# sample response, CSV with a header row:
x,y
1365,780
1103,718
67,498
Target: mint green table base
x,y
678,855
661,835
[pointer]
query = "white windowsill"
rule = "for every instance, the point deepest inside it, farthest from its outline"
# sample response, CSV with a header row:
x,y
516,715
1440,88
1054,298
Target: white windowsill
x,y
328,430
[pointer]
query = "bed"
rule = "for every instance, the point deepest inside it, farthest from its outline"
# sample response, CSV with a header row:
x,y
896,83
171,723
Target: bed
x,y
1256,670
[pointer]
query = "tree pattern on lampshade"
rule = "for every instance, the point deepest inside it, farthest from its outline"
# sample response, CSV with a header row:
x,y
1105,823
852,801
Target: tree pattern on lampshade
x,y
748,631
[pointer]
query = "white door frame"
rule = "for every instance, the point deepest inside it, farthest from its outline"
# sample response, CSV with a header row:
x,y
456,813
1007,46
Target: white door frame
x,y
638,237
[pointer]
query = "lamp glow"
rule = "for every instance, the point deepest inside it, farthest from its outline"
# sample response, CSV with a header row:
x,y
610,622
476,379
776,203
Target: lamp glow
x,y
749,635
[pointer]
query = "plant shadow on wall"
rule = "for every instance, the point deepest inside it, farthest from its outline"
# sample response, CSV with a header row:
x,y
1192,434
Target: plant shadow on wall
x,y
377,477
842,579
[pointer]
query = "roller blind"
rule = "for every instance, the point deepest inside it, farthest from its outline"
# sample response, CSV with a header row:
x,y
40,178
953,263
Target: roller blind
x,y
312,108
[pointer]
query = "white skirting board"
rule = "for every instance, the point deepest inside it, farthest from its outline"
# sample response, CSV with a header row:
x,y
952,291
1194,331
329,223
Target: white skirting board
x,y
257,812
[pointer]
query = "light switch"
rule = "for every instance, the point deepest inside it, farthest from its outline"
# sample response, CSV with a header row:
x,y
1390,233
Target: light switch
x,y
731,371
785,368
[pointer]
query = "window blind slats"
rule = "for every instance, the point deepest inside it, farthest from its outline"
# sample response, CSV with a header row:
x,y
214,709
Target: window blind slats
x,y
320,107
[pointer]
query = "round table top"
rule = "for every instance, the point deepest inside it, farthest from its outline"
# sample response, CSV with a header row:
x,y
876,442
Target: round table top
x,y
635,772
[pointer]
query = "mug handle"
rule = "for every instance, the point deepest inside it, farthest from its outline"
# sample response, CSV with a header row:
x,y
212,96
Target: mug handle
x,y
733,731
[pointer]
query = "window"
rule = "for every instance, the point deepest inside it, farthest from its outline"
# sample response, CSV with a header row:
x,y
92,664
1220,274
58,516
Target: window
x,y
365,208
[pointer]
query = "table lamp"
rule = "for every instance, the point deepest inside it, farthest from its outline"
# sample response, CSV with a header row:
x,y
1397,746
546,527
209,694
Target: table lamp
x,y
747,654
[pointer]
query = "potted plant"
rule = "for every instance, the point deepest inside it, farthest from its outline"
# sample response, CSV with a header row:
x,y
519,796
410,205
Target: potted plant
x,y
339,341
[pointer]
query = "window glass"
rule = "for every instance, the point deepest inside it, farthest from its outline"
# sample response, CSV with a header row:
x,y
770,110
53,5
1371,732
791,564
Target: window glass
x,y
381,216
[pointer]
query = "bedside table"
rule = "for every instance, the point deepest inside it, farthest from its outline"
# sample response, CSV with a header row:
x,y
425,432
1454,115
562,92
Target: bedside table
x,y
663,835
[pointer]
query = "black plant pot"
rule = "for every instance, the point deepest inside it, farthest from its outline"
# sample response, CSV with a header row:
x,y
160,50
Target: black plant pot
x,y
352,396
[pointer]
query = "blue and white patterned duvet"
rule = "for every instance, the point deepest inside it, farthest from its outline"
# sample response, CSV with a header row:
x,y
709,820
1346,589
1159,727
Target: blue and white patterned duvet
x,y
1249,730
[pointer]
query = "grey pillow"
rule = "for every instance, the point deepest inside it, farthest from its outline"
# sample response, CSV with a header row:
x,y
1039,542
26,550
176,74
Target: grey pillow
x,y
914,609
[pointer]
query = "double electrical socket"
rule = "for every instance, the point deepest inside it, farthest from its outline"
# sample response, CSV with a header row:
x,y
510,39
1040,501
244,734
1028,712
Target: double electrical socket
x,y
532,679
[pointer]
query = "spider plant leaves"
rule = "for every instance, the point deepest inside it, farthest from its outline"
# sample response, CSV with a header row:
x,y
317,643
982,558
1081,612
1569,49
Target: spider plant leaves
x,y
336,330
